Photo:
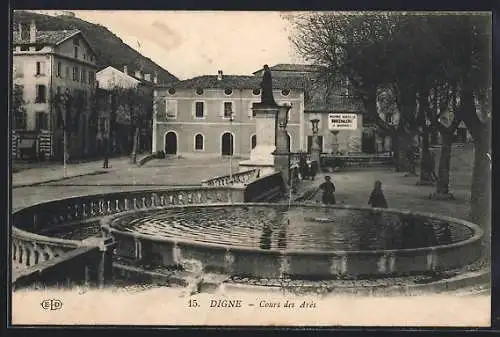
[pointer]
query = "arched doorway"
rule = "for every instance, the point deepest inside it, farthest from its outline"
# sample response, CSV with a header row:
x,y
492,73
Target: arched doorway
x,y
254,141
170,143
227,144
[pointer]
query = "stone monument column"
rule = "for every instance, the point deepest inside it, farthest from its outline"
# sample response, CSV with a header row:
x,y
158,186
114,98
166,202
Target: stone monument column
x,y
282,153
315,149
261,156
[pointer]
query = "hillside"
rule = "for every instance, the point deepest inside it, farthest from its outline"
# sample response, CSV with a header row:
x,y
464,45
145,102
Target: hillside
x,y
110,49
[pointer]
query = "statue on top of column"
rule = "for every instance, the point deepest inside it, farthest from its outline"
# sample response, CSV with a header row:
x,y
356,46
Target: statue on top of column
x,y
267,87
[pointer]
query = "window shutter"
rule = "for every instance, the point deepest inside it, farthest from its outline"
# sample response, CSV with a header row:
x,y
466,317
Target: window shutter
x,y
250,111
221,111
171,108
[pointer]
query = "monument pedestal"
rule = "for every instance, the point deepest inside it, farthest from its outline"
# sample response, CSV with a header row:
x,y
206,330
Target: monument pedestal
x,y
261,156
271,154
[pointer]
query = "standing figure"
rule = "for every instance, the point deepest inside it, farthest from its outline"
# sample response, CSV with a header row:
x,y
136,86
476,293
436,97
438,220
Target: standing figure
x,y
328,189
303,166
377,198
267,87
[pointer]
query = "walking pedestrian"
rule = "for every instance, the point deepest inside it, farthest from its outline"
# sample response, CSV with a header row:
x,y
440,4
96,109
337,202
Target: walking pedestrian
x,y
328,189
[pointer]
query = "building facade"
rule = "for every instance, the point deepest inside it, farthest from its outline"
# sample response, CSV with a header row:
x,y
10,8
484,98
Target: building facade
x,y
319,102
112,81
47,66
212,115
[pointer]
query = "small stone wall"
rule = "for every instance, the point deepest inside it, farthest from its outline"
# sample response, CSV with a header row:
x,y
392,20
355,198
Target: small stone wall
x,y
264,189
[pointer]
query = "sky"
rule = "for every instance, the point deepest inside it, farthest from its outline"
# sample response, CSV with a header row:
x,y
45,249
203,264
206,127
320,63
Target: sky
x,y
194,43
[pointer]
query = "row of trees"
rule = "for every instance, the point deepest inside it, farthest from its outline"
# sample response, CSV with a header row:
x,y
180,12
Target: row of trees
x,y
435,70
132,106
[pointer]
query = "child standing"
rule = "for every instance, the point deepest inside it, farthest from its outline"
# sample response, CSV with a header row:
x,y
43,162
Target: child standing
x,y
328,189
377,198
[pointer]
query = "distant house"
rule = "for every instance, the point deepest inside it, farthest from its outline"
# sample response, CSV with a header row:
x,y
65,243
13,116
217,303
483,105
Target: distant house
x,y
45,65
110,79
212,114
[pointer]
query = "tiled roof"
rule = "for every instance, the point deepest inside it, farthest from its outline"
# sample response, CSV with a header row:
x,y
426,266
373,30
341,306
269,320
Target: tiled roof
x,y
293,67
48,37
237,82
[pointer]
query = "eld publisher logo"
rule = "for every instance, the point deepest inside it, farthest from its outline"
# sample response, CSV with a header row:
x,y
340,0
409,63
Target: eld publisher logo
x,y
51,304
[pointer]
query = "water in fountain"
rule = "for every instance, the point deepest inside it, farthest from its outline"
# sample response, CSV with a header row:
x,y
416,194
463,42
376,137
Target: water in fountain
x,y
293,228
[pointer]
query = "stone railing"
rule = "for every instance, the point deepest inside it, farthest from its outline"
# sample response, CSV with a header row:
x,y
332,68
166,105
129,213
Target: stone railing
x,y
34,227
243,177
32,245
76,266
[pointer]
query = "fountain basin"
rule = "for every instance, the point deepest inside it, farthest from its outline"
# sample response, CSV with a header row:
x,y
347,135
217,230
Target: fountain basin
x,y
306,241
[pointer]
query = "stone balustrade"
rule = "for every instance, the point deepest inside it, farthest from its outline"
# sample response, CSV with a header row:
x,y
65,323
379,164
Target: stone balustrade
x,y
29,249
243,177
31,245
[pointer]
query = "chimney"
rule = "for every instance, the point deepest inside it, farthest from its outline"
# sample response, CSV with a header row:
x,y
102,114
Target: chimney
x,y
155,79
125,70
138,74
147,77
32,31
219,75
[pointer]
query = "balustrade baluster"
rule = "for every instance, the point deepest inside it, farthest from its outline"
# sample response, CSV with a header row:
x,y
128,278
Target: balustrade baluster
x,y
126,204
33,257
14,251
84,210
108,210
76,213
117,206
21,253
27,256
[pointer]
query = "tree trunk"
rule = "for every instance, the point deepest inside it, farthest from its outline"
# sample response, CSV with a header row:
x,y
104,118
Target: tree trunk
x,y
133,157
442,187
65,151
407,106
481,183
426,162
402,148
480,212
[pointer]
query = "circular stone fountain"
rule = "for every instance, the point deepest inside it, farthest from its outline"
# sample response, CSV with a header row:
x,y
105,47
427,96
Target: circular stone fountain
x,y
301,241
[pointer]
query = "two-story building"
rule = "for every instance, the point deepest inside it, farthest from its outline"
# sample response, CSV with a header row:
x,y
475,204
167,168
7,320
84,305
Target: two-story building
x,y
213,114
47,64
